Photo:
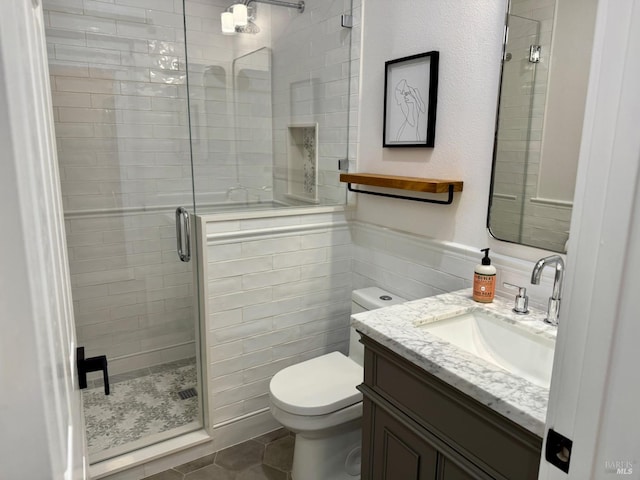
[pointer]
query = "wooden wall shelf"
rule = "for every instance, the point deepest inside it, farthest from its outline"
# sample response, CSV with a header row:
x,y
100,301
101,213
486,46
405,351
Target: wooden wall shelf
x,y
414,184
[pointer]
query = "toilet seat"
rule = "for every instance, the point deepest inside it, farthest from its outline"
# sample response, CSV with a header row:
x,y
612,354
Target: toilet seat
x,y
318,386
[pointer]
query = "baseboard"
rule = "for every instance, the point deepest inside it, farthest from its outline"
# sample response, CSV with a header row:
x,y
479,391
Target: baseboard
x,y
154,458
248,427
168,454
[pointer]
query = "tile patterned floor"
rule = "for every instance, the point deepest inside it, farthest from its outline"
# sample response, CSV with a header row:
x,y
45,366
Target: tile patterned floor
x,y
268,457
139,406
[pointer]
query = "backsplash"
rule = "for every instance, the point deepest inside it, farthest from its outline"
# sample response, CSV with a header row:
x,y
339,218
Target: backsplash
x,y
414,267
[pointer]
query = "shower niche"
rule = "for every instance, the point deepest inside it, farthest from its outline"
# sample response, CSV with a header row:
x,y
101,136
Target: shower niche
x,y
302,163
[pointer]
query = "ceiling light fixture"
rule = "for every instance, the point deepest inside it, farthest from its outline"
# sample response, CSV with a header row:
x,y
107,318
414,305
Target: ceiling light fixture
x,y
226,19
239,14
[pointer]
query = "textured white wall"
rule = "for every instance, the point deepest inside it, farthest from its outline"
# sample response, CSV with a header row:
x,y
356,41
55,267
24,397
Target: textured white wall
x,y
469,38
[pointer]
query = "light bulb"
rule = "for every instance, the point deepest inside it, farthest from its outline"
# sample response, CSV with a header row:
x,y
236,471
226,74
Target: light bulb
x,y
239,15
226,19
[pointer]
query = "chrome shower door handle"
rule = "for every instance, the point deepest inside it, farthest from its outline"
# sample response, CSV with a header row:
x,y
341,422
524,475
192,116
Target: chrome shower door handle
x,y
183,234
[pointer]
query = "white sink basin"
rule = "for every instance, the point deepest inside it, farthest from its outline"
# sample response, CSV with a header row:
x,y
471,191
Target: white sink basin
x,y
504,344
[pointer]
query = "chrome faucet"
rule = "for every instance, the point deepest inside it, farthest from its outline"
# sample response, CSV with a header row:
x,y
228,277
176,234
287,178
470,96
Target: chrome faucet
x,y
554,301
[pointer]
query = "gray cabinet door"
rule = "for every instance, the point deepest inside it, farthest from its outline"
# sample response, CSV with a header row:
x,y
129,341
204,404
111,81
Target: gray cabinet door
x,y
449,470
469,440
398,453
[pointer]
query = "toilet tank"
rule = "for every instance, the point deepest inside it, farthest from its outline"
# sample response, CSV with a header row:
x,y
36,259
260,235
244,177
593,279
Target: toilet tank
x,y
364,300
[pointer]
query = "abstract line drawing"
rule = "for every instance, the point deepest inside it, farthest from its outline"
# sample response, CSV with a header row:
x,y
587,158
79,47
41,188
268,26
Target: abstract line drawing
x,y
409,99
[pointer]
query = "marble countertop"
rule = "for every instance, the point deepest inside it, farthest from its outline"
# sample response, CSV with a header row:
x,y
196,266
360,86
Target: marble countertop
x,y
396,327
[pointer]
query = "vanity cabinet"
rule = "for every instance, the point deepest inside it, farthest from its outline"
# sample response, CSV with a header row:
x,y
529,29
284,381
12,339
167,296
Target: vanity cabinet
x,y
417,427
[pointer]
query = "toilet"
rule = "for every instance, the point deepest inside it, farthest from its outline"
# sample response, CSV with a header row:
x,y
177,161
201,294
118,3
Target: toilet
x,y
318,401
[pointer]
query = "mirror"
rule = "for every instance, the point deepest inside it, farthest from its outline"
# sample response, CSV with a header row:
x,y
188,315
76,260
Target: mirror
x,y
545,70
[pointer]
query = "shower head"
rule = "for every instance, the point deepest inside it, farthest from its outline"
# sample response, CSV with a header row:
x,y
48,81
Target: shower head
x,y
280,3
250,27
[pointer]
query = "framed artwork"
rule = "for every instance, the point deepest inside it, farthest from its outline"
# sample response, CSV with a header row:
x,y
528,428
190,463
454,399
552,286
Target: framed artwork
x,y
410,97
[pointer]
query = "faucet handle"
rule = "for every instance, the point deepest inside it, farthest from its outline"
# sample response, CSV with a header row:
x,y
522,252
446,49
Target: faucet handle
x,y
522,301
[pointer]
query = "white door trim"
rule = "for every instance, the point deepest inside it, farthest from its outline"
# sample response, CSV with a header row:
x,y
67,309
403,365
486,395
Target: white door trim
x,y
41,435
606,207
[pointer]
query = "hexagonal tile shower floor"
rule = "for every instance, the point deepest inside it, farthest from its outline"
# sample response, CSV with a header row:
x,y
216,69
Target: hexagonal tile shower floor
x,y
268,457
142,406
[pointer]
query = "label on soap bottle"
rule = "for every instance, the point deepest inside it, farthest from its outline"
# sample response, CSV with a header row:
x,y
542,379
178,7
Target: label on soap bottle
x,y
484,287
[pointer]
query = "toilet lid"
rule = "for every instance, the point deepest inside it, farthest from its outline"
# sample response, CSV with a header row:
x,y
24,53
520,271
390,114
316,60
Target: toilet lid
x,y
318,386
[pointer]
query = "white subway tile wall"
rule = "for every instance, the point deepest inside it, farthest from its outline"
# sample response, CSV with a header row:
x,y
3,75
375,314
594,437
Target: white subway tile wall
x,y
524,89
315,63
276,295
118,77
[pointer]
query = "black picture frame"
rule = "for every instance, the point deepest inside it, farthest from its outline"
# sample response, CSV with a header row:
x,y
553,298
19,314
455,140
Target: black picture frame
x,y
410,100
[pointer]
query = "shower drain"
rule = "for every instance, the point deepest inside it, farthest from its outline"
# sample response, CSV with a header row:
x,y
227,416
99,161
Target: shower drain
x,y
188,393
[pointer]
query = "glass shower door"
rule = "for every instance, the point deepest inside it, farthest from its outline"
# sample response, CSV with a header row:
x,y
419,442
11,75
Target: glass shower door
x,y
120,108
272,105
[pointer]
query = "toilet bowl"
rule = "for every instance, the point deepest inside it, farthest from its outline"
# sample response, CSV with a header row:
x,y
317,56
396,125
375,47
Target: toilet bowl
x,y
319,402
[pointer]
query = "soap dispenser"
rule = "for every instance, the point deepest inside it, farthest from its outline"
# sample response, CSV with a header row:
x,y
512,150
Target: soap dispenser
x,y
484,280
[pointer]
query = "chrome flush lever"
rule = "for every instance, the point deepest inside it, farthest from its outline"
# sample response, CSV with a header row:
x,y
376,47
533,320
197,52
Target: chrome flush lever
x,y
183,234
522,301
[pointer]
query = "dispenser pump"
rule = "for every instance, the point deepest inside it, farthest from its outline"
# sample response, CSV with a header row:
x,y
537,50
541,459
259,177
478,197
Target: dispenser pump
x,y
486,260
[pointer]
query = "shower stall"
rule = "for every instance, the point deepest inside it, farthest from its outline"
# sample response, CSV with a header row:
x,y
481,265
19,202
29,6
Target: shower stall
x,y
160,104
